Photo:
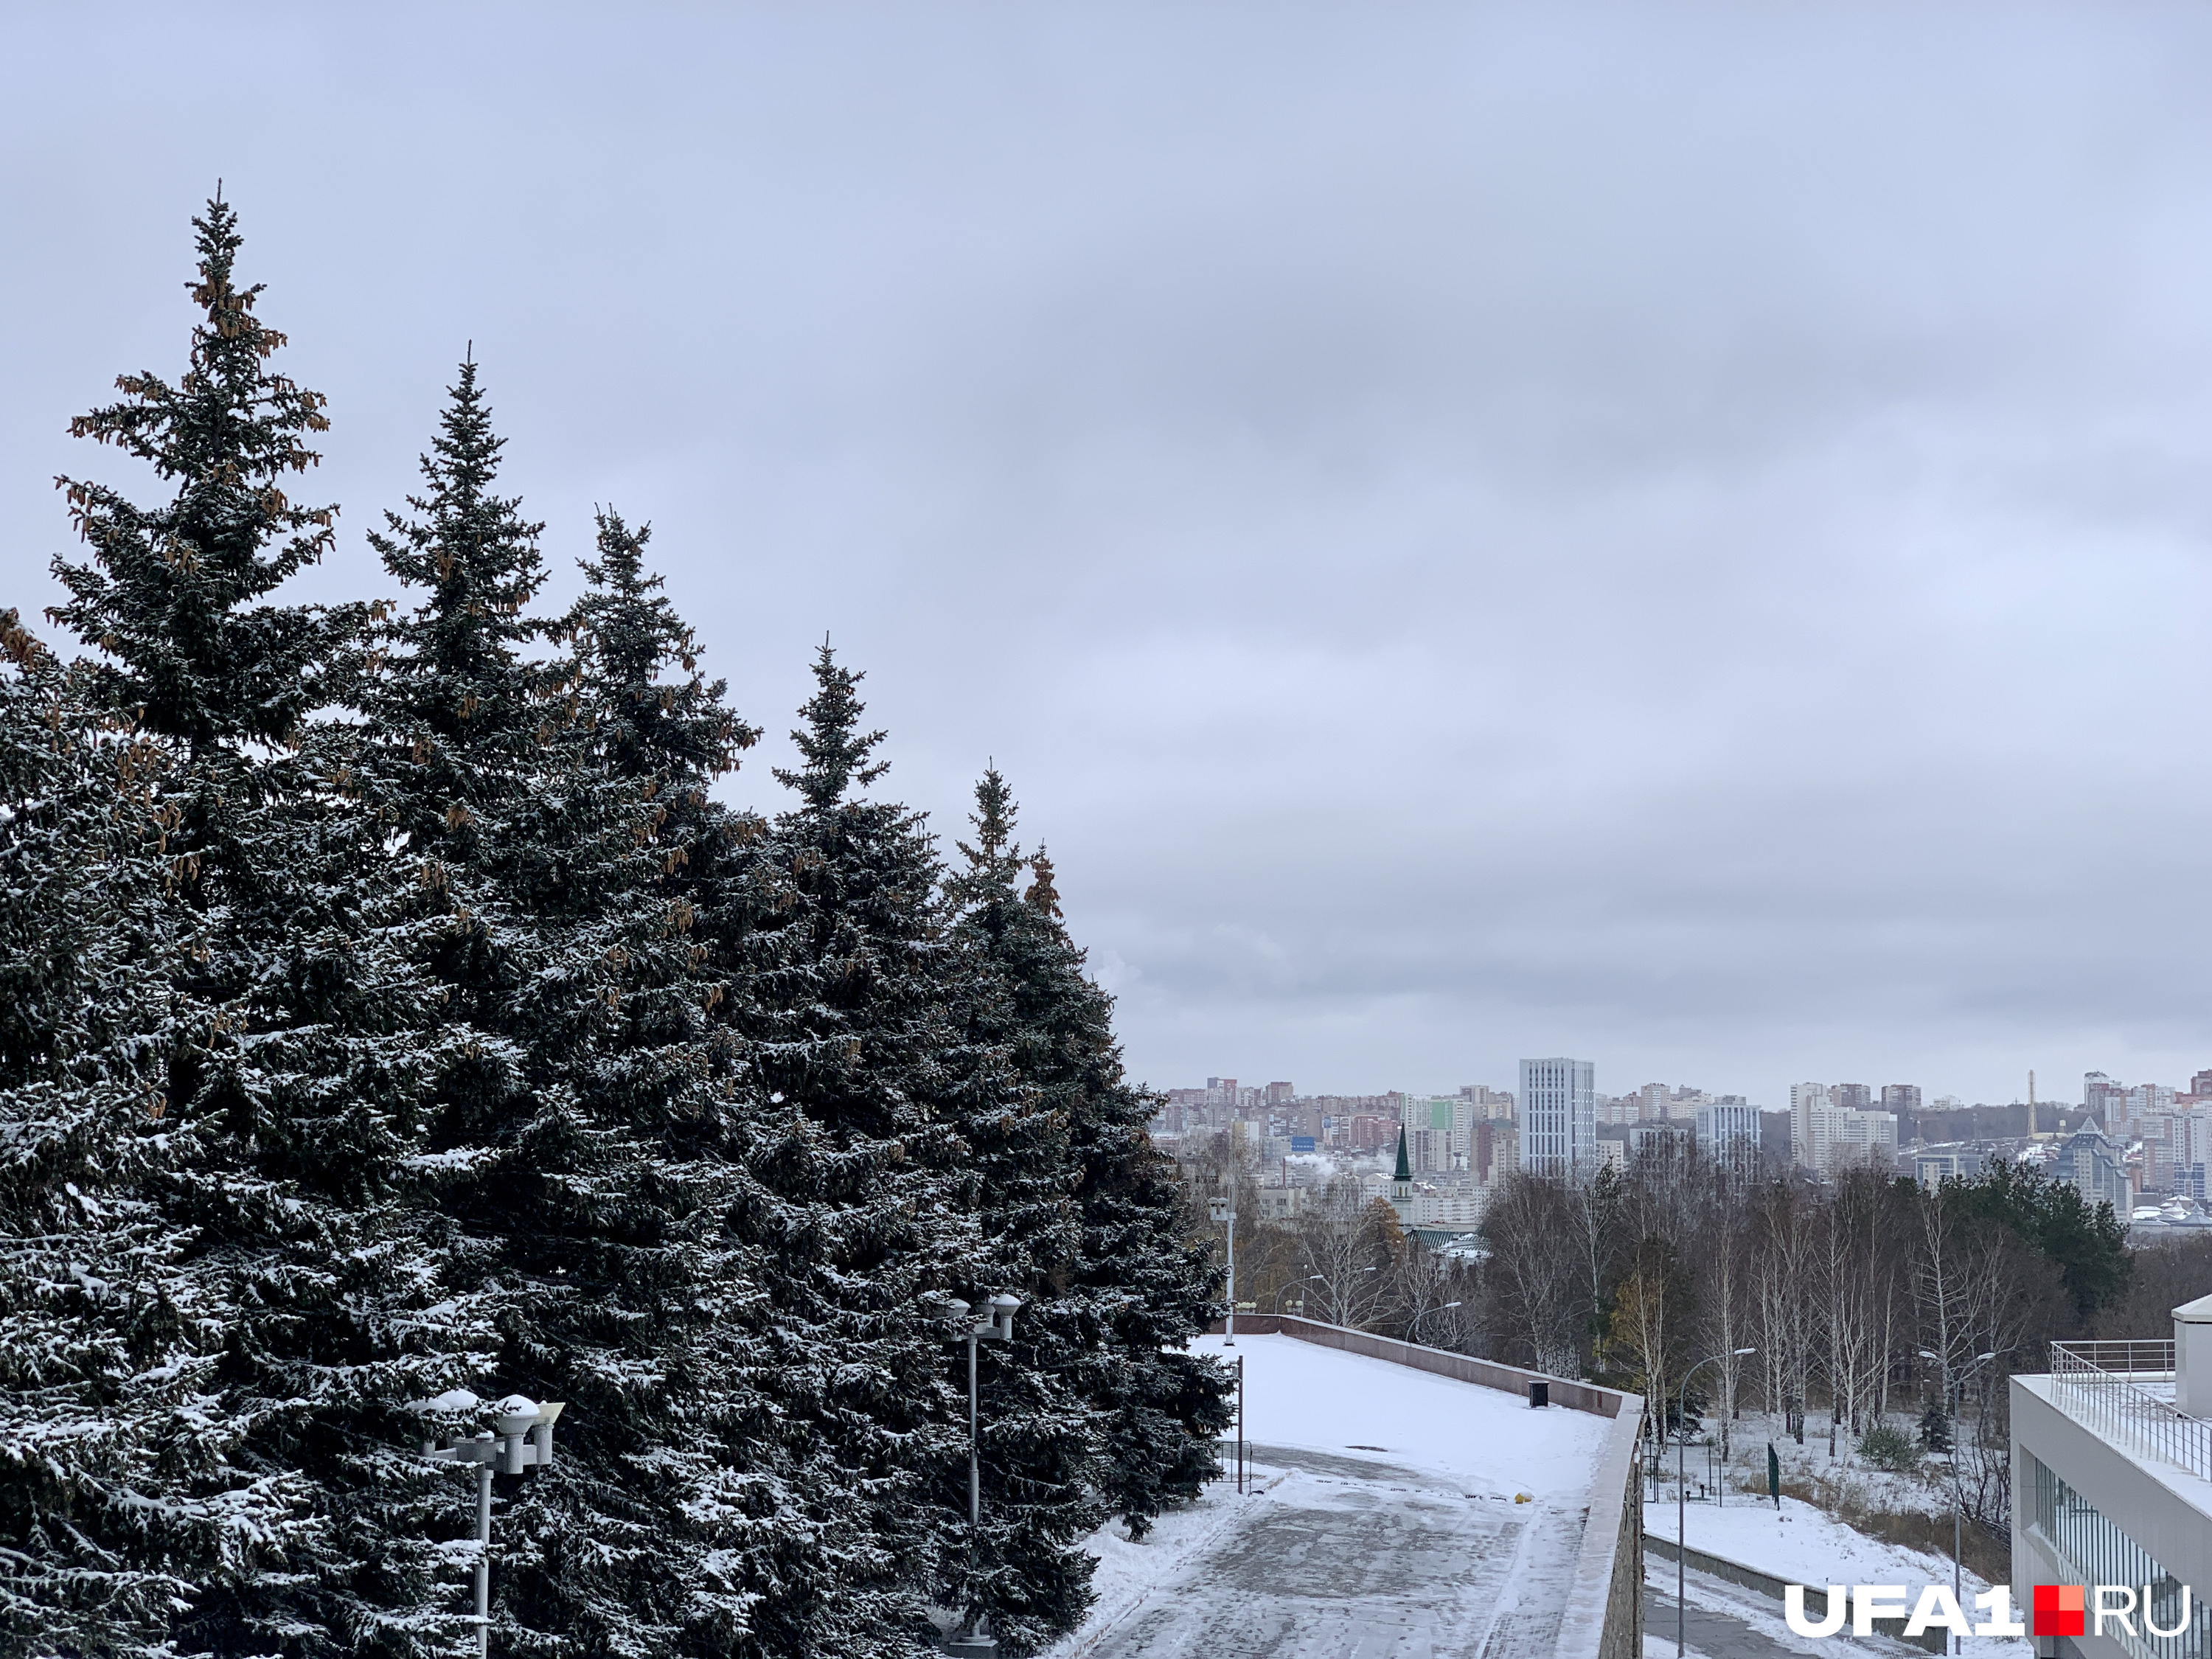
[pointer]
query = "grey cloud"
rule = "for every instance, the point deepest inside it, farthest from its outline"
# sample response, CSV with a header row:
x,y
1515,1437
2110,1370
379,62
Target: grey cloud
x,y
1676,535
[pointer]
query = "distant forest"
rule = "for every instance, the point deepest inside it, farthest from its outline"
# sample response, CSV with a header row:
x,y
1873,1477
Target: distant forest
x,y
1861,1296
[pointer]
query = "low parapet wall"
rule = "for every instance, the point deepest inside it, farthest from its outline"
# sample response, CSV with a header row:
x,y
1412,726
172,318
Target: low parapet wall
x,y
1483,1373
1603,1618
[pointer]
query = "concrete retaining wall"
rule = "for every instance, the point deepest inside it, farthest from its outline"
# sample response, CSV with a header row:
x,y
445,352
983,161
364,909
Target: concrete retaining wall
x,y
1603,1618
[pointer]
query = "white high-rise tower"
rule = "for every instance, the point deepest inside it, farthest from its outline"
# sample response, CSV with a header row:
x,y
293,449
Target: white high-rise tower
x,y
1559,1116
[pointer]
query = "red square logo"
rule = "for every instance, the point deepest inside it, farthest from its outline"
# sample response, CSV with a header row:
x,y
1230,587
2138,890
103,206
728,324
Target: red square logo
x,y
2059,1609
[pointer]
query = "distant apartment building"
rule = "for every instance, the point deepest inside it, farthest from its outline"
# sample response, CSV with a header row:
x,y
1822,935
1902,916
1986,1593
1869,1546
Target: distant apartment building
x,y
2090,1163
1458,1209
2187,1148
1559,1115
1960,1160
1861,1137
1494,1148
2127,1114
1810,1105
2097,1091
1371,1131
1657,1140
1728,1132
1281,1094
1429,1149
1825,1137
1852,1096
1900,1096
1484,1102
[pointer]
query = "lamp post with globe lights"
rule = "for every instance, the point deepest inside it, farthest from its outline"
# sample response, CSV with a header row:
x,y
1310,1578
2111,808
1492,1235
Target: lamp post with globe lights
x,y
520,1438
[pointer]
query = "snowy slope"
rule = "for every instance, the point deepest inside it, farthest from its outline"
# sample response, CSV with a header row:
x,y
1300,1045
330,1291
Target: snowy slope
x,y
1299,1394
1383,1519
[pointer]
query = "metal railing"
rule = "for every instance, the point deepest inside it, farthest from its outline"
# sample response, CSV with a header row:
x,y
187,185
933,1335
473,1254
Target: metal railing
x,y
2104,1383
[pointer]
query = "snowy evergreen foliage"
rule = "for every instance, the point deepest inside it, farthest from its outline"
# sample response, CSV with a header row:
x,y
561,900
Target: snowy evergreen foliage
x,y
388,1007
1120,1288
268,1297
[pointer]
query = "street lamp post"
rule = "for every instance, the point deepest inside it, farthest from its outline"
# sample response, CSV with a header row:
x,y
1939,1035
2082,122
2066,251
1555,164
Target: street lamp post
x,y
1224,1209
1336,1301
522,1438
997,1328
1958,1493
1681,1497
1297,1284
1424,1314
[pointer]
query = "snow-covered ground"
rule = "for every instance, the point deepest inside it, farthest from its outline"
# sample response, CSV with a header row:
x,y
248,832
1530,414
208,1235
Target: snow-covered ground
x,y
1801,1545
1299,1394
1804,1543
1393,1513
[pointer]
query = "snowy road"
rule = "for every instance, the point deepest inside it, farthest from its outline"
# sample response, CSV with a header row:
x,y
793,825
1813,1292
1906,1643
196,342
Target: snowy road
x,y
1343,1559
1385,1527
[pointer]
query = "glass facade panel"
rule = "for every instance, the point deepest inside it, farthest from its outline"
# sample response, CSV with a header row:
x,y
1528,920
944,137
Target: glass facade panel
x,y
2102,1554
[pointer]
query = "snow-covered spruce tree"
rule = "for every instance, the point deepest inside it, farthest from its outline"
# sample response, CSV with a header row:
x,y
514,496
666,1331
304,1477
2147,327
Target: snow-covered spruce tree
x,y
532,800
85,1297
637,1303
295,1306
1130,1290
1043,1438
829,930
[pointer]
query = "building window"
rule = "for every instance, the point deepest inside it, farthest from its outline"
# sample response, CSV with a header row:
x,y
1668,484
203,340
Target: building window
x,y
2102,1554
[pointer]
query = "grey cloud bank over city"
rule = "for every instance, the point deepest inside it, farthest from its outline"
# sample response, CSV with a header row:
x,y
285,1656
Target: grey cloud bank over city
x,y
1678,536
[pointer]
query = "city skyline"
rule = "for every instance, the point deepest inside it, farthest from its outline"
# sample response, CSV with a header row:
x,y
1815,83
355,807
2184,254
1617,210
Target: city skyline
x,y
1927,1095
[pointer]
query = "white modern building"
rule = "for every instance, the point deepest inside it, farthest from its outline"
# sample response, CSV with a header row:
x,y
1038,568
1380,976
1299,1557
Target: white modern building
x,y
1860,1137
2111,1485
1728,1132
1810,1106
1559,1116
1825,1136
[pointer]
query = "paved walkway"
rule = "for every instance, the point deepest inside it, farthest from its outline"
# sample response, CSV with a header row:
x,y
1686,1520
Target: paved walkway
x,y
1351,1559
1712,1633
1719,1624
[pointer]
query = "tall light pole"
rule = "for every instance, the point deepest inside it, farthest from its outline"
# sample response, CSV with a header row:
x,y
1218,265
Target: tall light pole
x,y
1958,1493
997,1328
521,1438
1224,1209
1336,1301
1297,1284
1424,1314
1681,1497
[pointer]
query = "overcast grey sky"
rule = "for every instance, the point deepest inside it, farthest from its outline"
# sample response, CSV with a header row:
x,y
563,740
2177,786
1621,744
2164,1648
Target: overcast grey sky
x,y
1677,535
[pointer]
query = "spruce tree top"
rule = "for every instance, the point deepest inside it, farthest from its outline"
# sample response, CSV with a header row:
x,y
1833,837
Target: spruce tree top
x,y
462,681
169,594
627,637
836,759
993,861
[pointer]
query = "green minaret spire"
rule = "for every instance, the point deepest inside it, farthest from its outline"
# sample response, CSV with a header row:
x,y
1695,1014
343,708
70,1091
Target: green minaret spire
x,y
1404,1171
